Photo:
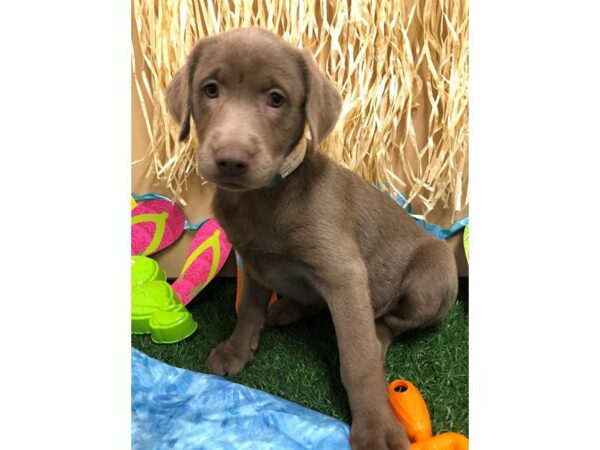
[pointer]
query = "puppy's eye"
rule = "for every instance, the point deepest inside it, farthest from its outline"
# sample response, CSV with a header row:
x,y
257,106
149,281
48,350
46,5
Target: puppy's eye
x,y
211,90
275,100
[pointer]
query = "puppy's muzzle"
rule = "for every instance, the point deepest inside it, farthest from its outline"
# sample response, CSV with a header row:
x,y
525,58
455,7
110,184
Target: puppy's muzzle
x,y
232,160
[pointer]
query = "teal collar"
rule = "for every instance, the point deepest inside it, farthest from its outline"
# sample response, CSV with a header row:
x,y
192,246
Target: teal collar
x,y
290,163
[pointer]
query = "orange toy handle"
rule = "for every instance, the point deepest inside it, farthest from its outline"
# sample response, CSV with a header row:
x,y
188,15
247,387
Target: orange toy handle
x,y
444,441
410,409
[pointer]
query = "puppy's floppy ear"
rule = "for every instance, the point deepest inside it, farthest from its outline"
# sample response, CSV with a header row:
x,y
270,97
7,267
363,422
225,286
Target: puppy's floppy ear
x,y
323,101
179,94
177,99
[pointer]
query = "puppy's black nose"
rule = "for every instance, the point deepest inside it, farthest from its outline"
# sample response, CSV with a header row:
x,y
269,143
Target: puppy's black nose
x,y
232,161
232,166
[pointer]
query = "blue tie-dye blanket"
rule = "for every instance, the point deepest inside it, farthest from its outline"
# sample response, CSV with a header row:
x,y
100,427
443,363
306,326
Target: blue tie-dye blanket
x,y
178,409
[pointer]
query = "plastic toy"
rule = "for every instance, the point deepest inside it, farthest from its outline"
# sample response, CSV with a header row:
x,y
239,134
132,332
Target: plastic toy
x,y
146,299
206,256
173,325
155,308
410,409
144,270
155,224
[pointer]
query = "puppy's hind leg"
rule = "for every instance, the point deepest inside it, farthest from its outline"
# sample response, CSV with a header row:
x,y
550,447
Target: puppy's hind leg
x,y
428,291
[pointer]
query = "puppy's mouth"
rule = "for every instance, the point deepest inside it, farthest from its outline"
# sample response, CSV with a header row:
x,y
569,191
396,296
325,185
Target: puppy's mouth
x,y
231,186
239,187
238,183
231,183
251,180
224,181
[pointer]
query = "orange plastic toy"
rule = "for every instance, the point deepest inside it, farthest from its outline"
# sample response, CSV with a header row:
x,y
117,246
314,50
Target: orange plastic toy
x,y
410,409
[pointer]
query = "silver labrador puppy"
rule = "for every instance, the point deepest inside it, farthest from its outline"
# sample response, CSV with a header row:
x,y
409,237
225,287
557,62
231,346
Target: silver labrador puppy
x,y
307,228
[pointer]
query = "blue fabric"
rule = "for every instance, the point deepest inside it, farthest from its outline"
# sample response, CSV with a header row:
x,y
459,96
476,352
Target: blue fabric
x,y
178,409
441,233
432,228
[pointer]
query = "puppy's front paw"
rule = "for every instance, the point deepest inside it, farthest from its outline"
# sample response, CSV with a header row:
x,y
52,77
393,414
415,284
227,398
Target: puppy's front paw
x,y
372,434
227,358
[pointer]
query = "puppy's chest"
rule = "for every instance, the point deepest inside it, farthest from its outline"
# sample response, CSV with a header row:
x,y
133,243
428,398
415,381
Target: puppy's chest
x,y
255,228
268,255
282,274
252,234
270,247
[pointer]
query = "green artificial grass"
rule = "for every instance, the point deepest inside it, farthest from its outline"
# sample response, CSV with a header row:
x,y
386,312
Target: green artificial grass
x,y
300,362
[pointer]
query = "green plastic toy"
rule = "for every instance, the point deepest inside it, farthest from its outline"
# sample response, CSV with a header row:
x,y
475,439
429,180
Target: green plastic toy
x,y
155,308
172,325
144,270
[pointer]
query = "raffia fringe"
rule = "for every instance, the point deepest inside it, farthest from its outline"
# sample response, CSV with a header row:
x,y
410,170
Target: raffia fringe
x,y
401,66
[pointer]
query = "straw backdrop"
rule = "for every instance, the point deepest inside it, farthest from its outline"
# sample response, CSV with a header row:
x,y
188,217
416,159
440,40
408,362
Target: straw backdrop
x,y
401,67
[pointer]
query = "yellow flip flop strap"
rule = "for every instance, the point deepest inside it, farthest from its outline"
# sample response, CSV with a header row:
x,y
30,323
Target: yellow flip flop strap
x,y
160,221
211,242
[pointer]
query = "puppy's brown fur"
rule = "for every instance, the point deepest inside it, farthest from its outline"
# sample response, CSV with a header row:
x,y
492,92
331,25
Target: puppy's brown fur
x,y
324,239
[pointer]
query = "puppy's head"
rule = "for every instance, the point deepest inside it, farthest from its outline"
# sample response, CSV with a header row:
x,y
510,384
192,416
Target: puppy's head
x,y
250,95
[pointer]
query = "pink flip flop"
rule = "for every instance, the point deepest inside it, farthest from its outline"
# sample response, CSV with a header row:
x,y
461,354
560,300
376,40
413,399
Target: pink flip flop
x,y
155,224
205,258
